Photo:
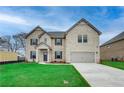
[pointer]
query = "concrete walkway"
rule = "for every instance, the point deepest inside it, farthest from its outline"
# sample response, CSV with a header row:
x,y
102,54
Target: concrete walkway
x,y
100,75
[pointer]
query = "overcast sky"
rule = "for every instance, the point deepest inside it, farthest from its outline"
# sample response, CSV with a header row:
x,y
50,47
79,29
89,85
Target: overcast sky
x,y
109,20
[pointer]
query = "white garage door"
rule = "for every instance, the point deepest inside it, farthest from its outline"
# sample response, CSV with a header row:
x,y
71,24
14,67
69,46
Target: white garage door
x,y
83,57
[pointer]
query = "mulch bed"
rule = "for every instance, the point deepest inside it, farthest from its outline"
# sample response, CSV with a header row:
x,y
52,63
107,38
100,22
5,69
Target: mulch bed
x,y
10,62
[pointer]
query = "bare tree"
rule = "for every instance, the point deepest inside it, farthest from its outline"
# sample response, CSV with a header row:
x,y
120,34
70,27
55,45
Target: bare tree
x,y
1,41
6,42
13,43
20,39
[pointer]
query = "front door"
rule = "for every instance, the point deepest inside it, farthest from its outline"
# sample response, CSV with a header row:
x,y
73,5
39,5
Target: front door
x,y
44,56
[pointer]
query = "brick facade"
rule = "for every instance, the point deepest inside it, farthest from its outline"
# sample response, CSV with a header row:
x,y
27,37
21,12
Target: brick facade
x,y
113,50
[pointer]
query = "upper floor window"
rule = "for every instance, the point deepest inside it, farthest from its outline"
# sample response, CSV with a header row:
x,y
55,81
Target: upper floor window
x,y
58,54
33,41
45,40
33,54
82,39
58,41
85,39
79,38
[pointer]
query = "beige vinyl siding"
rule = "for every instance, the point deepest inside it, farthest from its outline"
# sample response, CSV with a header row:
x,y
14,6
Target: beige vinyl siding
x,y
8,56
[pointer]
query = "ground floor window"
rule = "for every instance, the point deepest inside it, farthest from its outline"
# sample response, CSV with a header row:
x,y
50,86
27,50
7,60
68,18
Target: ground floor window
x,y
33,54
58,54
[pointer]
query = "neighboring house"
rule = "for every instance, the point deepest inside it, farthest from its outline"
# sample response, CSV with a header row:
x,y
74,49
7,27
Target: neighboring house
x,y
113,48
8,56
3,49
78,44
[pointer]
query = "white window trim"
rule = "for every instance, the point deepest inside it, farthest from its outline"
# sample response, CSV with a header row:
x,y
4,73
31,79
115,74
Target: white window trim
x,y
83,39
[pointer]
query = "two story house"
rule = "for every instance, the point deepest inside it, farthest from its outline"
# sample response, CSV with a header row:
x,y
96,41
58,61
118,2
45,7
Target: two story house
x,y
80,43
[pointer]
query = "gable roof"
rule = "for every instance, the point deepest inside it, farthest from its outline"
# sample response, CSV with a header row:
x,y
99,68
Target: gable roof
x,y
115,39
88,23
42,43
54,34
41,34
60,34
37,27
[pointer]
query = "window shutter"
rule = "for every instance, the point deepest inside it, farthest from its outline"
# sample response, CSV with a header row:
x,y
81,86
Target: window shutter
x,y
36,41
30,54
61,54
55,54
55,42
30,41
61,41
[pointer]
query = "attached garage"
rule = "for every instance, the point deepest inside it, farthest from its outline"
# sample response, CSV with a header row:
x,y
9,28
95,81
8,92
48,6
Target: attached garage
x,y
82,57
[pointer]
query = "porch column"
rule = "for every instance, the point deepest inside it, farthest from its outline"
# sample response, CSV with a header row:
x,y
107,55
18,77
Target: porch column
x,y
37,58
48,55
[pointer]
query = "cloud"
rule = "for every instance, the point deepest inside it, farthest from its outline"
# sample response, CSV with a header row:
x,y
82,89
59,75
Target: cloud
x,y
53,19
13,19
109,20
107,36
49,19
114,28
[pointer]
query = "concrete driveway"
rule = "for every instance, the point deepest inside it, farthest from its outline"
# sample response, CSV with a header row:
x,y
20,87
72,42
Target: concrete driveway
x,y
100,75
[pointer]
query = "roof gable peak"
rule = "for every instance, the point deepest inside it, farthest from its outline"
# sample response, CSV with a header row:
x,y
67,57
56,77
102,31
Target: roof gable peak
x,y
88,23
36,28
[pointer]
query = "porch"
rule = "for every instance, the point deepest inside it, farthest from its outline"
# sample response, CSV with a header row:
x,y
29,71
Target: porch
x,y
44,53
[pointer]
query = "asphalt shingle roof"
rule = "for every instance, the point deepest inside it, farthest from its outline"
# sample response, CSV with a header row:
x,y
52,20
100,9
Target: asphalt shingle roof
x,y
57,34
115,39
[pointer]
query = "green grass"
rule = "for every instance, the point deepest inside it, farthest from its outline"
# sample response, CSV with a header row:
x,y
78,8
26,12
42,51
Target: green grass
x,y
40,75
115,64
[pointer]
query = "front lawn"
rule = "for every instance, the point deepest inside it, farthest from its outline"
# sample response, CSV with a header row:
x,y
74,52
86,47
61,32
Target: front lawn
x,y
115,64
40,75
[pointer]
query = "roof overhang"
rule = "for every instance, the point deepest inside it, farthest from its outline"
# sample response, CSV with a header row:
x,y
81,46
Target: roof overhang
x,y
43,45
38,27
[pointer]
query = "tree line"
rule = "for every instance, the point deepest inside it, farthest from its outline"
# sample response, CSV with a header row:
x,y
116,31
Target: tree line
x,y
13,43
